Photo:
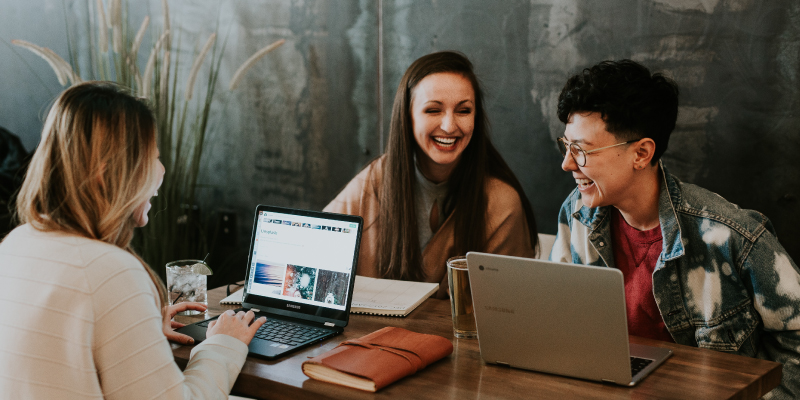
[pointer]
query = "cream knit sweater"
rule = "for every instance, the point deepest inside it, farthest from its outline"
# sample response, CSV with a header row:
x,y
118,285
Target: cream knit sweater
x,y
80,321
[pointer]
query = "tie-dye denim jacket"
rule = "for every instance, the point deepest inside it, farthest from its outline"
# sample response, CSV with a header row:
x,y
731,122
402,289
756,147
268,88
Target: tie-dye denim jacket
x,y
723,282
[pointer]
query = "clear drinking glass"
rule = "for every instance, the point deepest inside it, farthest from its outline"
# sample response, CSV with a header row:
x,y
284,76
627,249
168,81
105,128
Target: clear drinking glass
x,y
187,282
461,299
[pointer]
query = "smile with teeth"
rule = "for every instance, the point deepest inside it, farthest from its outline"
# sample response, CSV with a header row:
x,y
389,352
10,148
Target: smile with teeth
x,y
445,141
584,183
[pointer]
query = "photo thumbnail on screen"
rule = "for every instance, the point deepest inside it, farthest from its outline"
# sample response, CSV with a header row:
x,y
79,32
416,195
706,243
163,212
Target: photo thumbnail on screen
x,y
332,287
299,282
270,275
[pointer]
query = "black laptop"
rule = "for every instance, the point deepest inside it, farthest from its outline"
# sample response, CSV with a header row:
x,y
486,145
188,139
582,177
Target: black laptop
x,y
300,275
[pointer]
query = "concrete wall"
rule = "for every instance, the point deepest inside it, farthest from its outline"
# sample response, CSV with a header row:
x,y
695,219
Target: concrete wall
x,y
312,113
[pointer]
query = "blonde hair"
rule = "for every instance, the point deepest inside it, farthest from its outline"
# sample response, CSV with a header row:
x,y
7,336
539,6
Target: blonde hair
x,y
94,166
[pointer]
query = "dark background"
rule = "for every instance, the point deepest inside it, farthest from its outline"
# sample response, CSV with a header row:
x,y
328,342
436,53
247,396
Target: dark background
x,y
311,114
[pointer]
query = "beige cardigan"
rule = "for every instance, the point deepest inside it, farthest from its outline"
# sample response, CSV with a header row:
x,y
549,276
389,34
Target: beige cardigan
x,y
80,321
506,227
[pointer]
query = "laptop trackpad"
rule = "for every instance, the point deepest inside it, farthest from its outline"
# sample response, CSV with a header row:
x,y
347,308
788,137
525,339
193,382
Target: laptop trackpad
x,y
266,348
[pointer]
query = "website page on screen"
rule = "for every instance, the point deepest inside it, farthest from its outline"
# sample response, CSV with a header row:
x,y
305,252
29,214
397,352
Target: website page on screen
x,y
303,259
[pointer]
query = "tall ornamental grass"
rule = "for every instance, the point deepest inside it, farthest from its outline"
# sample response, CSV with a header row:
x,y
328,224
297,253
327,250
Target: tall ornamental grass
x,y
175,230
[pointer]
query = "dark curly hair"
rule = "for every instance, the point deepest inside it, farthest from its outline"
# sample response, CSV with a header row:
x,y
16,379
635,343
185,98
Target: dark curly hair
x,y
634,103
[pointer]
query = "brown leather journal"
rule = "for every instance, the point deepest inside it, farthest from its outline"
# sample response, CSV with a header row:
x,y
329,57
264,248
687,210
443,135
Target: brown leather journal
x,y
378,359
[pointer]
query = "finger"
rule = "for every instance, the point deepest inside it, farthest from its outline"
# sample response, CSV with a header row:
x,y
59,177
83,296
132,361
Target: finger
x,y
179,338
176,324
249,317
194,306
212,323
176,308
240,315
226,315
257,324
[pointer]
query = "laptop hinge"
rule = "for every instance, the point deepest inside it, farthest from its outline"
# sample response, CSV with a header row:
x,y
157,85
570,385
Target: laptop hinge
x,y
331,324
255,310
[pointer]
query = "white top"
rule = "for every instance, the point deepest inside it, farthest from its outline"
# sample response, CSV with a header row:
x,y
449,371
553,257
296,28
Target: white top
x,y
80,321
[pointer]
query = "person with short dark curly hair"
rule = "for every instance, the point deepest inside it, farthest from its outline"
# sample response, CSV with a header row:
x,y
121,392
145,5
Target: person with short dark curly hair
x,y
632,103
698,270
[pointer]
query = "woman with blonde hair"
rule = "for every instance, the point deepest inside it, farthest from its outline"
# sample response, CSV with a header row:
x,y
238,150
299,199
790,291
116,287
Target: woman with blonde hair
x,y
84,316
441,189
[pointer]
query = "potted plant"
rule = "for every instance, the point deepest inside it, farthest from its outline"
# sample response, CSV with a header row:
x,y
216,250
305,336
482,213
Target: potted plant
x,y
175,230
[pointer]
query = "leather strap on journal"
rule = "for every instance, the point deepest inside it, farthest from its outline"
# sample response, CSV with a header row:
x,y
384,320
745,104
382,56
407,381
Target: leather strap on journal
x,y
386,355
412,358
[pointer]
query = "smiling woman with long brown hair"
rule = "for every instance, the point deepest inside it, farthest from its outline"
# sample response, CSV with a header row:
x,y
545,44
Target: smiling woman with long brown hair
x,y
441,189
84,316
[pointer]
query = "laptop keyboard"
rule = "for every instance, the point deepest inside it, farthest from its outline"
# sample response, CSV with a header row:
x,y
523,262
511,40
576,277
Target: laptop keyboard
x,y
284,332
638,364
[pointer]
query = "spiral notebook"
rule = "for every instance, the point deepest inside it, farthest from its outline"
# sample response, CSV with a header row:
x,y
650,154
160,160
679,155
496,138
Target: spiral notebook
x,y
376,296
389,297
234,299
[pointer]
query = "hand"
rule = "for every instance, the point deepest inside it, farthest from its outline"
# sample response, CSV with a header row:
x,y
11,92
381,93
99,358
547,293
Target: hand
x,y
170,325
237,325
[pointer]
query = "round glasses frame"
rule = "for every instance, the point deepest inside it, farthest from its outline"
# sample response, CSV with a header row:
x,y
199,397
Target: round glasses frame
x,y
578,154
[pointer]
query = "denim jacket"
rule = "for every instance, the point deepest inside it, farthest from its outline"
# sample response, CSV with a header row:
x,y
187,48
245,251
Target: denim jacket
x,y
722,282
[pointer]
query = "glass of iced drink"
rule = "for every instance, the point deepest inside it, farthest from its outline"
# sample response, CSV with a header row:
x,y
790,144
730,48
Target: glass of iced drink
x,y
461,299
187,281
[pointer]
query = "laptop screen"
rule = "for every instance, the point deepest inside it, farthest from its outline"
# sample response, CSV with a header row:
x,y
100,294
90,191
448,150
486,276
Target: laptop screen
x,y
303,261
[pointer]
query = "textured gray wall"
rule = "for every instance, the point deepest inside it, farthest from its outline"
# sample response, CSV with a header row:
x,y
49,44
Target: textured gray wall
x,y
736,62
307,117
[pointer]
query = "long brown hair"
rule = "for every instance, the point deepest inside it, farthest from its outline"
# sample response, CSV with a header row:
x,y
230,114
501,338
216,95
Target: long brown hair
x,y
94,166
399,254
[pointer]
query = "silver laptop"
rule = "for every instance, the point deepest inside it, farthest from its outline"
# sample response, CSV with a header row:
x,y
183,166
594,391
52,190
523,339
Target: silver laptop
x,y
558,318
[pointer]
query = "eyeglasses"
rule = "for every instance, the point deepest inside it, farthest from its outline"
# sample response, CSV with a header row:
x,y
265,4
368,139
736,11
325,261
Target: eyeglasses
x,y
579,154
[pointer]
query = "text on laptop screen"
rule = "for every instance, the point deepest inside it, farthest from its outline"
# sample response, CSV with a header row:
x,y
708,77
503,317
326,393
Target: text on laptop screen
x,y
302,259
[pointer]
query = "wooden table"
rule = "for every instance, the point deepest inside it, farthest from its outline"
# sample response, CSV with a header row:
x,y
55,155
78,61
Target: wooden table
x,y
690,373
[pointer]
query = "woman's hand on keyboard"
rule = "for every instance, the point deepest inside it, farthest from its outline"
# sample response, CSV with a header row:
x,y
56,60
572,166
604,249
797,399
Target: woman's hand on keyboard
x,y
240,325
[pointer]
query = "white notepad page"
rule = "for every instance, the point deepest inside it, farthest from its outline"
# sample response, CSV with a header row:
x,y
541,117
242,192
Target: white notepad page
x,y
388,296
